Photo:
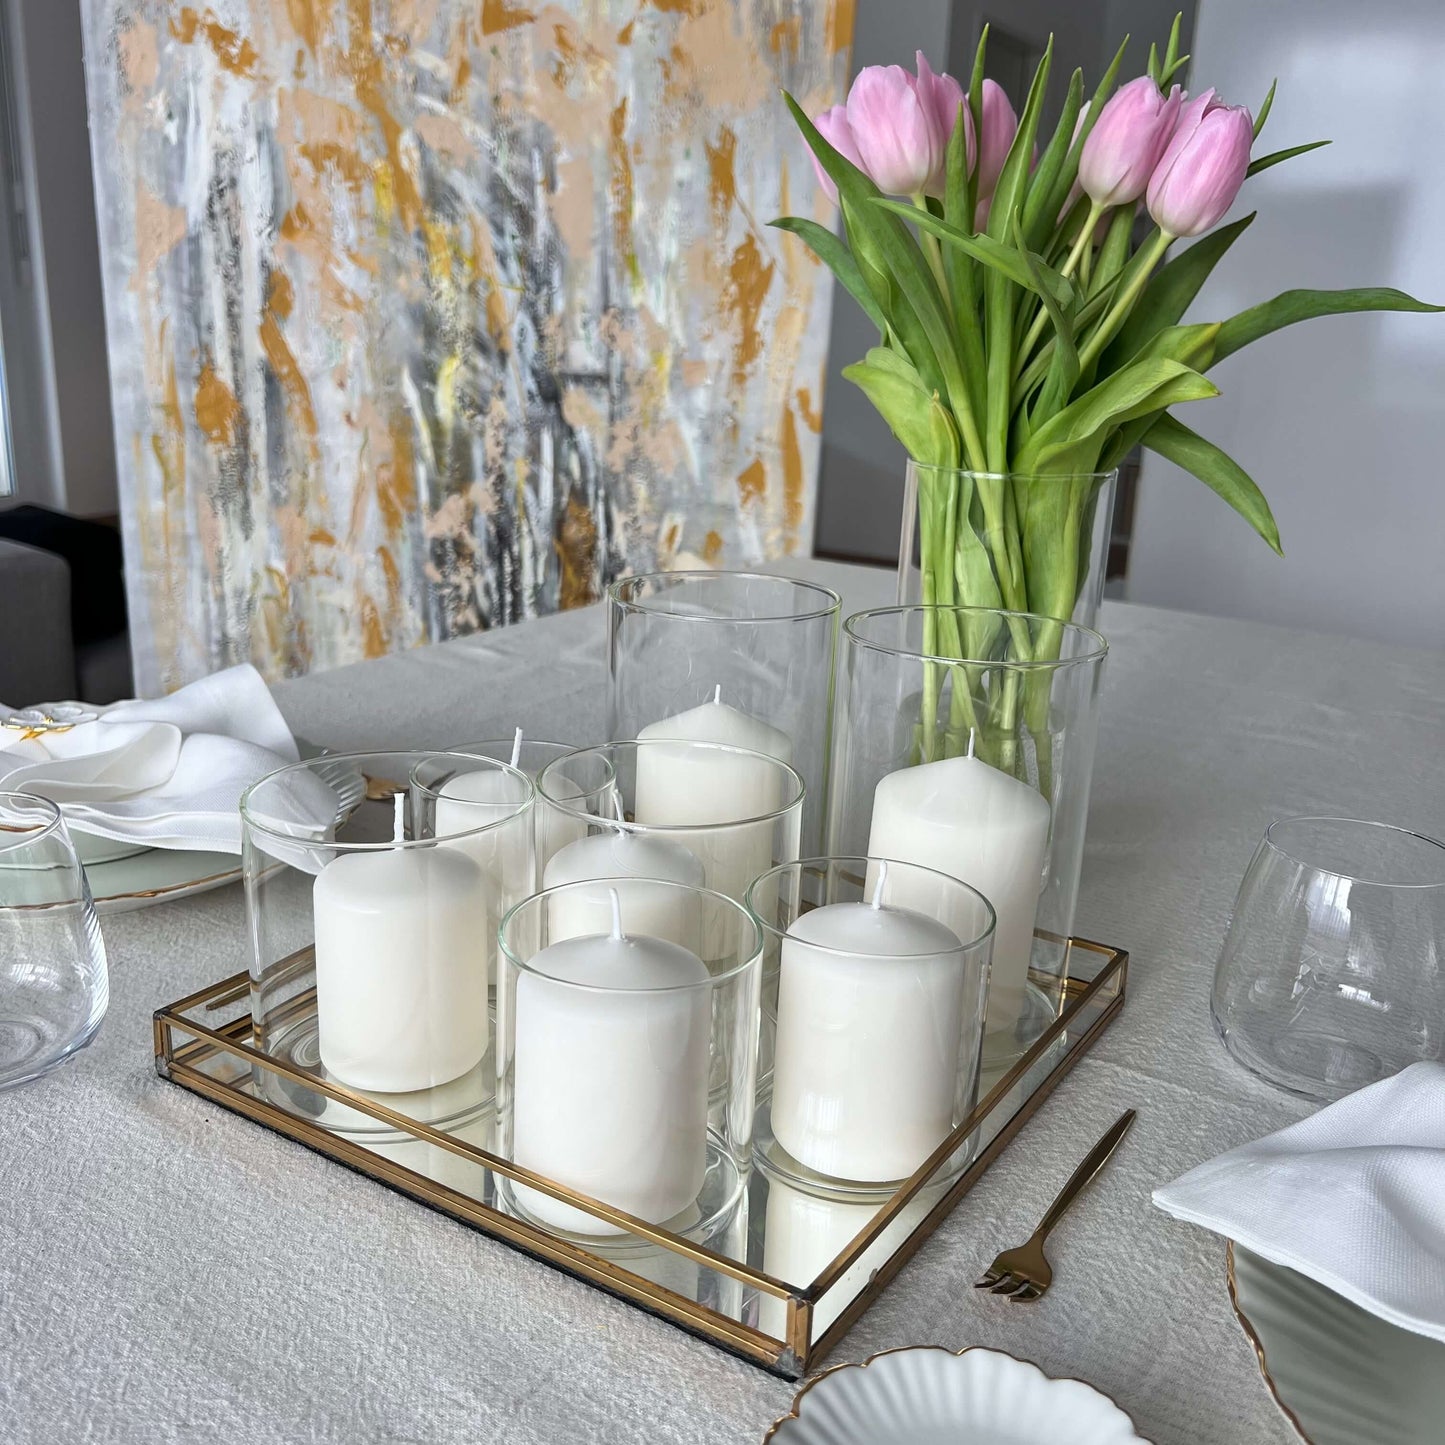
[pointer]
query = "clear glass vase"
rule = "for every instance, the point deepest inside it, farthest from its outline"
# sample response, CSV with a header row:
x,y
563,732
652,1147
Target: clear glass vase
x,y
1028,543
966,744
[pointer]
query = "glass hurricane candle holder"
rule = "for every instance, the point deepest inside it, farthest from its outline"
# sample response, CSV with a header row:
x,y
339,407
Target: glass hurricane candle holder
x,y
374,886
692,812
553,829
627,1059
728,657
979,768
875,974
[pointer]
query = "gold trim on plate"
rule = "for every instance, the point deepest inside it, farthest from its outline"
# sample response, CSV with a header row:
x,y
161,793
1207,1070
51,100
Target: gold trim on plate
x,y
907,1349
1258,1344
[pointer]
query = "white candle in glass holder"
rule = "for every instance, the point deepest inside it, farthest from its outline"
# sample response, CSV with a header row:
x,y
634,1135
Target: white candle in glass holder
x,y
977,824
870,1025
606,858
401,966
718,722
610,1080
683,785
482,798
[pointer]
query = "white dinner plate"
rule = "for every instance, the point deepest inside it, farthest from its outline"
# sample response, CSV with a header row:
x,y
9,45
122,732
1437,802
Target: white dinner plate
x,y
1341,1374
157,876
926,1395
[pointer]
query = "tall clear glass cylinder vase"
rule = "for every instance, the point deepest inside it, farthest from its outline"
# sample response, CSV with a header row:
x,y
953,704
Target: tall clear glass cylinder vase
x,y
740,658
966,744
1029,543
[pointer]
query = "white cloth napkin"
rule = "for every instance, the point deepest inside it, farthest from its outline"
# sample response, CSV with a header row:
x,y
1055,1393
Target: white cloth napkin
x,y
168,773
1353,1197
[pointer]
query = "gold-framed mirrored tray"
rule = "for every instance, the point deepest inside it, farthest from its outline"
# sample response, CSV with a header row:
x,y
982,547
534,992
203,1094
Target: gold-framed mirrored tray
x,y
775,1269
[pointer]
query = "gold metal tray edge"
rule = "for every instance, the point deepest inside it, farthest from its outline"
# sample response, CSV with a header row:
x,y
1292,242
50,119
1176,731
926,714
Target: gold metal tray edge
x,y
792,1358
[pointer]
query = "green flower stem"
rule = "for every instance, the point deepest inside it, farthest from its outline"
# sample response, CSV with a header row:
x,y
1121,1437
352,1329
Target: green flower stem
x,y
1080,250
1149,256
931,249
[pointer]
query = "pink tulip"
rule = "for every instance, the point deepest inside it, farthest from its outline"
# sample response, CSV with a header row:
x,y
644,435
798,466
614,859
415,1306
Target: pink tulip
x,y
1203,167
834,128
998,127
1123,149
895,128
944,96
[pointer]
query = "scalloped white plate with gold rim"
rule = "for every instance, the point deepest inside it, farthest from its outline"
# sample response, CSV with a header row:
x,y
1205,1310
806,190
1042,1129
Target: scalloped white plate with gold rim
x,y
927,1395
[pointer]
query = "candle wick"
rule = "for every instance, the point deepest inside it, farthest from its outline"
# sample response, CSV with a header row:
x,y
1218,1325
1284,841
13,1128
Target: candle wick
x,y
717,693
879,886
617,932
398,818
617,812
970,743
517,747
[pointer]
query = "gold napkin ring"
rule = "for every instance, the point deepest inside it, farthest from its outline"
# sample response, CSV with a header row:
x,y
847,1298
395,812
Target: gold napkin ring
x,y
48,717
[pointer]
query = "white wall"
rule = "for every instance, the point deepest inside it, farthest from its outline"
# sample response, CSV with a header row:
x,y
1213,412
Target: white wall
x,y
1341,421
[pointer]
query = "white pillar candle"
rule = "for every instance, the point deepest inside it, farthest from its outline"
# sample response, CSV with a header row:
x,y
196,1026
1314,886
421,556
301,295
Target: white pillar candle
x,y
610,1080
482,798
554,828
870,1022
977,824
686,786
401,967
667,913
718,722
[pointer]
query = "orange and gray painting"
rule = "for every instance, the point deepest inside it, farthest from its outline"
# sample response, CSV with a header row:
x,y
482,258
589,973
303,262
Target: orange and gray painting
x,y
429,315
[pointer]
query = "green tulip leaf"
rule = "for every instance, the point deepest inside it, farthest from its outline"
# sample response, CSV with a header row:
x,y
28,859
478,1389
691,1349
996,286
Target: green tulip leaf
x,y
1219,472
1010,193
1038,219
1265,109
959,268
997,255
1191,345
884,245
1263,163
1291,306
1064,368
1072,440
1169,292
836,256
916,417
1172,58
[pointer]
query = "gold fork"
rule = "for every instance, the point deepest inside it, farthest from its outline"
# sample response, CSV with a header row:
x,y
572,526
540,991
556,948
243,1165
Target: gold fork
x,y
1023,1273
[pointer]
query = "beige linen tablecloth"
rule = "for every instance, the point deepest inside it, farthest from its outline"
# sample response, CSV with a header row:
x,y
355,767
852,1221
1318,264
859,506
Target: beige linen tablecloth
x,y
170,1272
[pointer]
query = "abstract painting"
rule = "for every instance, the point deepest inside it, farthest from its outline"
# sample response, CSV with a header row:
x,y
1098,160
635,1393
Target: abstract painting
x,y
428,315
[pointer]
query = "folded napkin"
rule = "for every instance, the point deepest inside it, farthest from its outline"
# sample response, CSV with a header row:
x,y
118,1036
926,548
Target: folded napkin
x,y
1353,1197
168,773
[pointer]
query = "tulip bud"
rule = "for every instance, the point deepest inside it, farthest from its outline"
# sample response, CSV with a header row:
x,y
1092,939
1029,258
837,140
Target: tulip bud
x,y
1202,168
998,125
834,128
944,96
896,133
1123,149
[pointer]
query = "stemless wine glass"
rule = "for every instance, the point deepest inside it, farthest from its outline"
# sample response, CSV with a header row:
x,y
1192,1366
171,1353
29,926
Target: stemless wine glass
x,y
53,981
1332,974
